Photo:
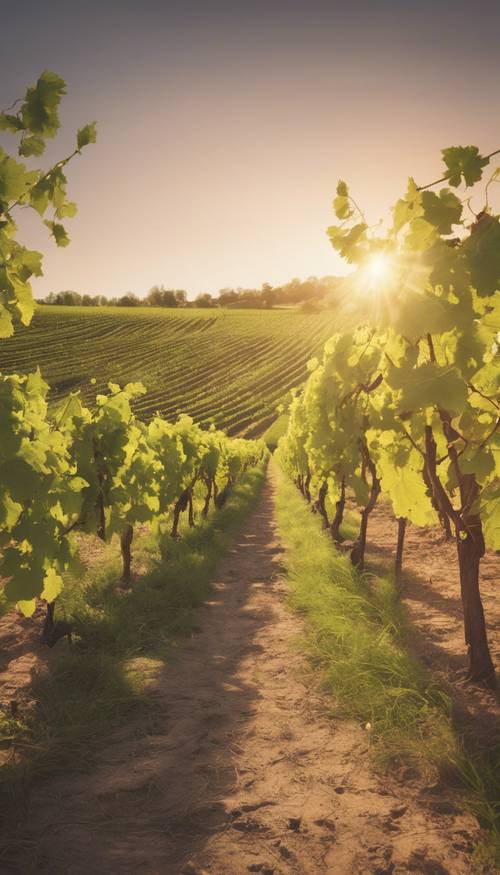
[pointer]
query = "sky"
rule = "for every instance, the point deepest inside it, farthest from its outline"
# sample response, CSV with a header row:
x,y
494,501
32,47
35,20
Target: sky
x,y
223,127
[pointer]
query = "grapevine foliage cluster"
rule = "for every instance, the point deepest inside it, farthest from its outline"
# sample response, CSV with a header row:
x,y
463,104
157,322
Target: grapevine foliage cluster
x,y
98,470
33,120
406,404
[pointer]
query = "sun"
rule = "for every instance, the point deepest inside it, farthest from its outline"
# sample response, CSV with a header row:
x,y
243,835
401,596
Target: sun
x,y
378,268
375,283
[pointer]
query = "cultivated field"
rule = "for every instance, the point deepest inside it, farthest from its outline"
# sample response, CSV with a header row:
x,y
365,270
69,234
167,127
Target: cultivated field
x,y
226,366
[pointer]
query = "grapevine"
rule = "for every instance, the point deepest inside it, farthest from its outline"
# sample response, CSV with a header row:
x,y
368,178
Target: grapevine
x,y
408,404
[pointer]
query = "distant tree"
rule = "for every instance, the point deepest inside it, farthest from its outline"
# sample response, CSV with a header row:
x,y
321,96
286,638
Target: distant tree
x,y
128,300
247,298
268,295
159,296
311,289
68,299
227,297
49,299
155,296
181,297
310,306
205,300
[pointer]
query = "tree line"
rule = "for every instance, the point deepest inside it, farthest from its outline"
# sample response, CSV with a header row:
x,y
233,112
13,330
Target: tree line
x,y
312,293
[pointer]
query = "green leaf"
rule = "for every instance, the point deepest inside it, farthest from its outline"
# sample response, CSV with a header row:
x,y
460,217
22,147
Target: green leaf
x,y
443,210
342,207
39,111
421,234
14,179
32,145
24,305
361,491
77,484
480,462
408,208
404,485
67,210
40,195
20,479
58,232
27,608
464,163
52,585
86,135
23,585
423,313
341,203
482,250
490,513
32,262
429,386
9,512
11,123
347,242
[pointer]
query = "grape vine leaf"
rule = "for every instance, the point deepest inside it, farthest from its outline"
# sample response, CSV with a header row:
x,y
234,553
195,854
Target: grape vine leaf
x,y
52,585
86,135
443,210
490,512
341,204
39,111
58,232
464,163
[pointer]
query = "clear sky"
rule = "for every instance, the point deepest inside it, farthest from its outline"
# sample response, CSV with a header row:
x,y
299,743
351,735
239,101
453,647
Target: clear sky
x,y
224,126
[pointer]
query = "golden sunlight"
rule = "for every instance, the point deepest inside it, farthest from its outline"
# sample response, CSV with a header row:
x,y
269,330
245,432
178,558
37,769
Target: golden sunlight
x,y
378,268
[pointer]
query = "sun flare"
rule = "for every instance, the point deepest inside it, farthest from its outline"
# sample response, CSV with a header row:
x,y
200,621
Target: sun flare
x,y
379,268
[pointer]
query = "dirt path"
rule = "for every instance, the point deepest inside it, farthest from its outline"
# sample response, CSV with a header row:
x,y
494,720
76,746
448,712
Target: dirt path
x,y
242,770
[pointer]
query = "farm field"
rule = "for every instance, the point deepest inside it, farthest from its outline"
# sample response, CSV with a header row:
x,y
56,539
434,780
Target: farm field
x,y
226,366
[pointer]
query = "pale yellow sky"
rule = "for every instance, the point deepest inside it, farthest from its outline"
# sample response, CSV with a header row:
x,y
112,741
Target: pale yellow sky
x,y
223,129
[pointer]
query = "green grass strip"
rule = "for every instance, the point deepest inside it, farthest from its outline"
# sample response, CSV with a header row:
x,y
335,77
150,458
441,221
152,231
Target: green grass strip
x,y
355,639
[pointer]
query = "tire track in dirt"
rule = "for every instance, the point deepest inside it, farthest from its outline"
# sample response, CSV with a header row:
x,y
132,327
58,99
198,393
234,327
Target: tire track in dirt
x,y
242,769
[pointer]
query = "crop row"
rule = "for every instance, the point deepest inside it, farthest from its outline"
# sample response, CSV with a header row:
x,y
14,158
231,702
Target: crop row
x,y
231,367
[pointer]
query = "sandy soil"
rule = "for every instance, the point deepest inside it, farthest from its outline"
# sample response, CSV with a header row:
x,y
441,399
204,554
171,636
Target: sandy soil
x,y
432,596
22,655
241,769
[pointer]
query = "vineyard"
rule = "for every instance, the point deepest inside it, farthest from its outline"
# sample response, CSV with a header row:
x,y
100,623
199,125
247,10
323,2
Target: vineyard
x,y
228,367
130,462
